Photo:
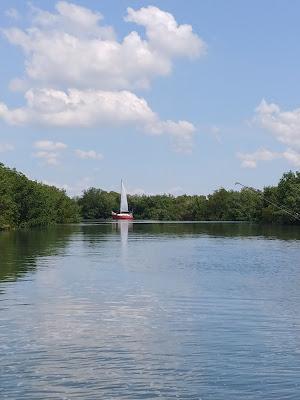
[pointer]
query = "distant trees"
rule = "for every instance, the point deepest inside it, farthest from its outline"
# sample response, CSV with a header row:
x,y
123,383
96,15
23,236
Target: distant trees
x,y
26,203
97,203
286,195
222,205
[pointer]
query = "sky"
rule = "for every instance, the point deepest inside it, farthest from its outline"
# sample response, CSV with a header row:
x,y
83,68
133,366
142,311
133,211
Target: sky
x,y
172,96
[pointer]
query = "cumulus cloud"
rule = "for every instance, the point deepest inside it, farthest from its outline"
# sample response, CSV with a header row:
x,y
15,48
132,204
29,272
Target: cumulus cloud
x,y
4,147
49,157
284,126
164,34
249,160
49,151
49,145
78,108
77,74
71,47
73,19
90,154
292,157
18,85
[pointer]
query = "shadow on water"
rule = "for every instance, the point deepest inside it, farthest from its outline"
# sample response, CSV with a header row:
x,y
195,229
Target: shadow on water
x,y
177,229
19,250
220,229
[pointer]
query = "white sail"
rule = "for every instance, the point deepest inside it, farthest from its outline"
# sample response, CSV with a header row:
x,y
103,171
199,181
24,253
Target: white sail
x,y
124,204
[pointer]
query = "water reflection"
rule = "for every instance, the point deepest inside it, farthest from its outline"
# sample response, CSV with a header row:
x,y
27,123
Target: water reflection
x,y
19,250
188,311
218,229
93,231
123,227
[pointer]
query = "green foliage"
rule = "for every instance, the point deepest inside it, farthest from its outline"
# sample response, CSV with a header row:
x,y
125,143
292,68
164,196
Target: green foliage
x,y
288,196
26,203
223,205
98,204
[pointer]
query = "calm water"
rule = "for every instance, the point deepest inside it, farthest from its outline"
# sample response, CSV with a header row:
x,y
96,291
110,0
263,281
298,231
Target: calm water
x,y
145,311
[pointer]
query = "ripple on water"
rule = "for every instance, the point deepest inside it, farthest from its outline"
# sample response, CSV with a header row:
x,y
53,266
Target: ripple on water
x,y
145,311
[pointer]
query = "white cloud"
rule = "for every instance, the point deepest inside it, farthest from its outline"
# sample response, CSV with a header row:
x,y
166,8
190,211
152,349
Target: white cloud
x,y
77,108
18,85
49,157
48,145
90,154
12,13
73,19
71,48
77,70
4,147
292,157
284,125
49,151
181,134
249,160
164,34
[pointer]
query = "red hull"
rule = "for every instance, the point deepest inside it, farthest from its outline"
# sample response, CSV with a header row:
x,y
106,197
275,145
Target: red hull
x,y
122,216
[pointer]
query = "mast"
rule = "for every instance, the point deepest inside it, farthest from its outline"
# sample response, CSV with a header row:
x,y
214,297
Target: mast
x,y
123,203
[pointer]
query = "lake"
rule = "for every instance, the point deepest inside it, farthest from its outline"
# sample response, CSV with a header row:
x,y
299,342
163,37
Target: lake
x,y
150,310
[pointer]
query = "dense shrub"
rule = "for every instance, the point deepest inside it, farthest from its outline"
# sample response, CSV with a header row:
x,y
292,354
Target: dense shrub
x,y
25,203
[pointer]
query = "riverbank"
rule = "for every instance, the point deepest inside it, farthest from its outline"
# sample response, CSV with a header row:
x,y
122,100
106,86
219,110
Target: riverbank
x,y
26,203
274,204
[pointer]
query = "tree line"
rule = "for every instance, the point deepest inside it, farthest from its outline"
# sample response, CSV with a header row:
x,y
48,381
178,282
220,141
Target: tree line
x,y
27,203
274,204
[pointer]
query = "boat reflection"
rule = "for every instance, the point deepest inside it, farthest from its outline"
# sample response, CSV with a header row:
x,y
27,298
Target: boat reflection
x,y
123,227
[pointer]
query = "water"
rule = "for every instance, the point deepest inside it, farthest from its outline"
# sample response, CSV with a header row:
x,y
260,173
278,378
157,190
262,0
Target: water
x,y
146,311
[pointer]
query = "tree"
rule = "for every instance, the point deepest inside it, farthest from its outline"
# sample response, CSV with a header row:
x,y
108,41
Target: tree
x,y
25,203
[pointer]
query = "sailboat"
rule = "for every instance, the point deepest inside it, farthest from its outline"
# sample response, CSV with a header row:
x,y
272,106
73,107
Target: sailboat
x,y
124,213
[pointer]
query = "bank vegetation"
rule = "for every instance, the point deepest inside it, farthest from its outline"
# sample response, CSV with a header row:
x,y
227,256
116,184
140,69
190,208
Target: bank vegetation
x,y
27,203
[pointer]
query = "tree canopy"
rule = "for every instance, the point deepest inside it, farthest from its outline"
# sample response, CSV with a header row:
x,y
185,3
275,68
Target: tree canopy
x,y
27,203
265,206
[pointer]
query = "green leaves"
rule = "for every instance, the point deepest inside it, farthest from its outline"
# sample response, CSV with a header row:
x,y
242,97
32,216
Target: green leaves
x,y
26,203
223,205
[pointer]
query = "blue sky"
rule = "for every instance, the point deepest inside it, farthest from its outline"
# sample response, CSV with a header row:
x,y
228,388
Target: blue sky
x,y
85,101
